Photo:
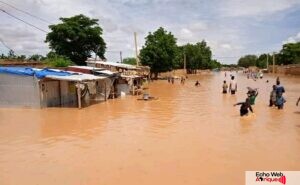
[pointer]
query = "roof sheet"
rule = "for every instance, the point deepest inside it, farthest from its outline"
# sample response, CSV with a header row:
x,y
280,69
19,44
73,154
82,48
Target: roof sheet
x,y
126,66
27,71
77,78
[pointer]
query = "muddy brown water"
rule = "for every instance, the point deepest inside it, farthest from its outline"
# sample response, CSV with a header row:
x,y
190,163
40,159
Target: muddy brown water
x,y
188,136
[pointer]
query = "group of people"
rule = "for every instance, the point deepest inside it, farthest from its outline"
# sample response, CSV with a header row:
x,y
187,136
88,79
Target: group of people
x,y
172,79
276,96
232,86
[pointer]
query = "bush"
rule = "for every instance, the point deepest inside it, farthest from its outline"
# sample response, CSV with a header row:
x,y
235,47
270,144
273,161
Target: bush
x,y
58,61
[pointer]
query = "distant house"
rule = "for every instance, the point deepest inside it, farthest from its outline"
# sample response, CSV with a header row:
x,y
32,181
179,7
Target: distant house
x,y
39,88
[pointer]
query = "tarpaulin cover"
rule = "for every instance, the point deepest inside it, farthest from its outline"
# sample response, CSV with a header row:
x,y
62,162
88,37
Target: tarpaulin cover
x,y
27,71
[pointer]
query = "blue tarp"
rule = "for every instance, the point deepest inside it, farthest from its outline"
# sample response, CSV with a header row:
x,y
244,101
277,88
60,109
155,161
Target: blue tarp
x,y
27,71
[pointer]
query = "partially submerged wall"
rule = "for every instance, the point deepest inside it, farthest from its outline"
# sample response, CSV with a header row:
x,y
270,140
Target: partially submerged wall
x,y
293,69
19,91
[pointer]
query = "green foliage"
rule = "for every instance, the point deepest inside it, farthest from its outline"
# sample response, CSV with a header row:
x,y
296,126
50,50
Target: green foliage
x,y
2,56
198,56
229,65
248,60
76,37
36,57
160,51
21,57
58,61
11,54
261,61
289,54
129,60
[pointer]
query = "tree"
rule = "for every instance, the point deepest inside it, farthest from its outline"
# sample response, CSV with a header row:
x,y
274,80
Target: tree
x,y
36,57
248,60
76,37
289,54
129,60
55,60
159,51
11,54
261,61
198,56
21,57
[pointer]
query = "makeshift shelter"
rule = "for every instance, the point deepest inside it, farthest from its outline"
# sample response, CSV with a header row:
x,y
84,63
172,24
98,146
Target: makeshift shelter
x,y
109,82
125,69
31,87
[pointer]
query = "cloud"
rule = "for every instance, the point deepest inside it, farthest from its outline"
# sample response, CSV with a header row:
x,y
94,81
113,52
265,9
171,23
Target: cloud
x,y
236,8
293,39
226,46
231,27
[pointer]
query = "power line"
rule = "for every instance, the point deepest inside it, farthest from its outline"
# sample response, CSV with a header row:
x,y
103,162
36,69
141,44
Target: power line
x,y
23,21
5,44
27,13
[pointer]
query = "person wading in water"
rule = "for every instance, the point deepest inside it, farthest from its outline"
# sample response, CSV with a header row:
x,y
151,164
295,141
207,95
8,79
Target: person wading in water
x,y
232,85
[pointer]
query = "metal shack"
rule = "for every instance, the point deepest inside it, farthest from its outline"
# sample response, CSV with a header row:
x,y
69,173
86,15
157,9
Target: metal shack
x,y
131,78
110,81
38,88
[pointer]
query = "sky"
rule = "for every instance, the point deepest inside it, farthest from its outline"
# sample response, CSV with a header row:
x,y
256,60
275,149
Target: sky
x,y
232,28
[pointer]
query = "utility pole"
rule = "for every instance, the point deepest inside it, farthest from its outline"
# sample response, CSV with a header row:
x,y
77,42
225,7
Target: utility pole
x,y
268,62
184,62
121,59
136,50
273,62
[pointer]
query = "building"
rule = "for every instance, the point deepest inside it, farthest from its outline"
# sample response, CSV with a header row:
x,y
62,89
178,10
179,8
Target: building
x,y
39,88
132,77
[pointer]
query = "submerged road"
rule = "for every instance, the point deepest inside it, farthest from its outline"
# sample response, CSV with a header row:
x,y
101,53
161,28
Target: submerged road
x,y
190,135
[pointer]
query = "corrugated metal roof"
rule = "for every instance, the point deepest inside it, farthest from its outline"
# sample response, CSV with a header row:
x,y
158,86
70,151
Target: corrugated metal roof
x,y
77,78
87,67
126,66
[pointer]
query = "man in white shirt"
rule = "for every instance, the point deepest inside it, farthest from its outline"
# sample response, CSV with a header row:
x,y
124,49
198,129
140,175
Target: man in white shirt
x,y
232,85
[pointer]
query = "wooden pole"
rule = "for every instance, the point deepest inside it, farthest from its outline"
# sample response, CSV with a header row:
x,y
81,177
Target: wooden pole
x,y
78,95
273,62
184,62
121,59
268,62
105,90
136,50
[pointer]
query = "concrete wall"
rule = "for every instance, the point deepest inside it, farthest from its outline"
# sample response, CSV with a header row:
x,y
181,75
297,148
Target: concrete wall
x,y
19,91
293,69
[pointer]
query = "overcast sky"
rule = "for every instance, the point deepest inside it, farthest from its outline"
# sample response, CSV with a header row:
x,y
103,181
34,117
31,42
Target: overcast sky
x,y
232,28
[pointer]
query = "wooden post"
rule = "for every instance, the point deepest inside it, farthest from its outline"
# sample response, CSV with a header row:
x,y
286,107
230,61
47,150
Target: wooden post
x,y
136,50
273,63
78,95
105,90
268,62
121,59
184,62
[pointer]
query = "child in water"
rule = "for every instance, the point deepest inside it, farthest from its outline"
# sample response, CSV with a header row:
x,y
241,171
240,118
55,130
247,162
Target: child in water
x,y
280,101
244,107
225,87
252,94
273,96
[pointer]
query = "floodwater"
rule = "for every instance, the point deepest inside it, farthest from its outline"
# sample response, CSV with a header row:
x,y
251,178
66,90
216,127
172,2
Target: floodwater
x,y
190,135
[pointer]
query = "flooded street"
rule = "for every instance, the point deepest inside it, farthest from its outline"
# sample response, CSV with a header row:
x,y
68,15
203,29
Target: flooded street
x,y
190,135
